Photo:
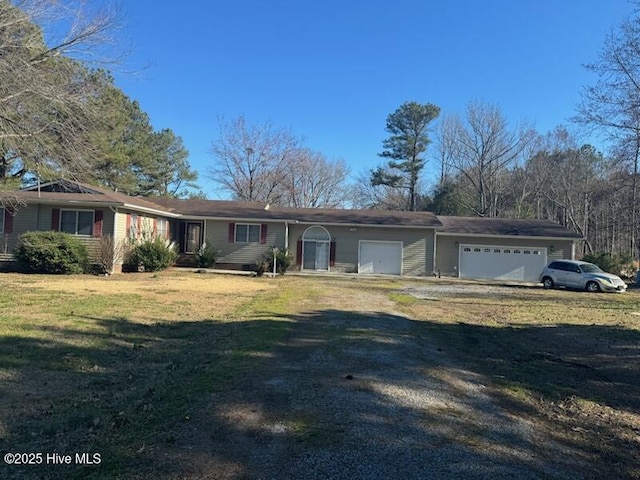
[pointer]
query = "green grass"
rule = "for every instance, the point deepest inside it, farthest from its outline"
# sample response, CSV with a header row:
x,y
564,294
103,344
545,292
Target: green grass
x,y
563,359
402,298
118,374
129,366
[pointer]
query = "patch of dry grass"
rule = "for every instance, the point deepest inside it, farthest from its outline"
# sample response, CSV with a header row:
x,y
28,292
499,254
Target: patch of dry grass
x,y
116,365
568,360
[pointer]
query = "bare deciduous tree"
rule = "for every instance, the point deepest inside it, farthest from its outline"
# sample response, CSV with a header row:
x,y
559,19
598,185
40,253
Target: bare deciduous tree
x,y
315,181
365,195
251,161
484,147
611,104
266,164
443,150
44,109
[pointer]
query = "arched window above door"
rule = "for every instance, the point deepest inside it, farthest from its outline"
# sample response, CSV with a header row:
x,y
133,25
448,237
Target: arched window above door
x,y
317,233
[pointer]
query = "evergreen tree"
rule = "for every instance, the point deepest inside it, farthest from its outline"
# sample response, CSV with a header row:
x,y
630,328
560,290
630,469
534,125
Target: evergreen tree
x,y
405,148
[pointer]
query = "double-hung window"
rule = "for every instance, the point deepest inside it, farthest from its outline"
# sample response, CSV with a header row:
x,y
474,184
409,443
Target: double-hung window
x,y
247,233
76,222
134,226
161,228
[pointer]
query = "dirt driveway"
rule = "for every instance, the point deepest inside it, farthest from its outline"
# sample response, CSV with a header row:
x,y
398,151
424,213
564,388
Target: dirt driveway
x,y
359,391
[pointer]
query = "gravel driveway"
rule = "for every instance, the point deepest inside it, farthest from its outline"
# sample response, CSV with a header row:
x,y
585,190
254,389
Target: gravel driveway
x,y
440,290
359,392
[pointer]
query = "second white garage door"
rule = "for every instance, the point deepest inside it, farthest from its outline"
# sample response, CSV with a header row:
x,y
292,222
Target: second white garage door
x,y
380,257
502,263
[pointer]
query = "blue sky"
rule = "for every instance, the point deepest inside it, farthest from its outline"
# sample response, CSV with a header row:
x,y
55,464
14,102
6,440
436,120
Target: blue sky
x,y
333,70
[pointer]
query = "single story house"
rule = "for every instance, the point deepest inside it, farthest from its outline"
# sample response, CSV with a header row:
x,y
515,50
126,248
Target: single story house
x,y
320,240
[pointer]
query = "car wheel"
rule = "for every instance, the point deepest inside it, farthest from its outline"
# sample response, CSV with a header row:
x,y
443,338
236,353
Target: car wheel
x,y
547,282
593,286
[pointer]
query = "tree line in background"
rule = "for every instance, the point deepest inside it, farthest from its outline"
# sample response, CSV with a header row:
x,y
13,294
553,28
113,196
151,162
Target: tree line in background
x,y
486,166
61,116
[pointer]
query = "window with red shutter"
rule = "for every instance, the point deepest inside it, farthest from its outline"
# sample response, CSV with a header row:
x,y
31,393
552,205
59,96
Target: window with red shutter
x,y
232,233
299,253
263,233
8,221
55,219
332,254
97,223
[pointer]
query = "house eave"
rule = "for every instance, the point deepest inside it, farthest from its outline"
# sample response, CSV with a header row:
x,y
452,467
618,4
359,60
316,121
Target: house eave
x,y
45,201
150,210
524,237
291,221
97,203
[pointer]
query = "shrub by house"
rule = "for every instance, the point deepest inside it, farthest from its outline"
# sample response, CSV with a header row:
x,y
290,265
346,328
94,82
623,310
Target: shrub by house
x,y
51,252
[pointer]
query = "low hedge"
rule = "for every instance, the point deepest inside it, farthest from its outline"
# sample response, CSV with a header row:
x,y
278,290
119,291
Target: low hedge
x,y
51,252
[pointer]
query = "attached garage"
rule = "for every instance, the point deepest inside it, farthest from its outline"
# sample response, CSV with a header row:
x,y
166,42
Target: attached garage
x,y
502,262
380,257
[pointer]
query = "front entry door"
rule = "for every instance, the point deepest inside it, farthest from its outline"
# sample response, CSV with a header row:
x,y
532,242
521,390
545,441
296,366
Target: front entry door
x,y
193,234
315,255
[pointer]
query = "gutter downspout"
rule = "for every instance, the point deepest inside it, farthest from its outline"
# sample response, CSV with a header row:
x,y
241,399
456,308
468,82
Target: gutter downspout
x,y
286,236
115,238
435,241
204,232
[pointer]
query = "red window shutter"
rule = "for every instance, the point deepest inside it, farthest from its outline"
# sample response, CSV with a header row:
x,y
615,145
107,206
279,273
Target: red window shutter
x,y
155,227
332,254
299,253
182,236
139,227
55,219
168,229
97,223
128,225
232,233
263,233
8,221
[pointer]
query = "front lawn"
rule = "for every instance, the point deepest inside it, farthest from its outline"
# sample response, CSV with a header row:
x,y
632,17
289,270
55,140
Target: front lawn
x,y
117,365
158,373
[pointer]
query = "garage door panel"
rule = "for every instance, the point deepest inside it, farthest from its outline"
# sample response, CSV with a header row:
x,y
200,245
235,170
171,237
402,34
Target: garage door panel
x,y
380,257
502,263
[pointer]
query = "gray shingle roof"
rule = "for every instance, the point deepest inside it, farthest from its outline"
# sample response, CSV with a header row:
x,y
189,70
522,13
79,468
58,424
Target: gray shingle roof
x,y
255,210
504,226
66,191
78,192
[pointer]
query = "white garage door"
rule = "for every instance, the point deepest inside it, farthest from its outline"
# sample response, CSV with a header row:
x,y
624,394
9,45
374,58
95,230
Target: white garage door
x,y
502,263
380,257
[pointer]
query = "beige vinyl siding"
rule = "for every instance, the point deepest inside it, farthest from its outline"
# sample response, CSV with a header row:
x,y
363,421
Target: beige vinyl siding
x,y
447,252
217,234
417,254
121,225
25,220
38,218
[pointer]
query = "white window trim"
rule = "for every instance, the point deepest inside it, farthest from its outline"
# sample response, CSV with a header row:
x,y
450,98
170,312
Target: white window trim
x,y
248,225
162,232
328,239
78,210
133,226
